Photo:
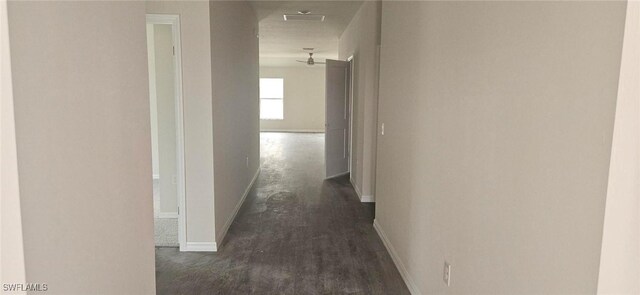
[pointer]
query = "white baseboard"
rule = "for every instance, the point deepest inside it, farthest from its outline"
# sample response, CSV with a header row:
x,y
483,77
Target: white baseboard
x,y
200,247
363,199
231,218
294,130
413,288
367,199
168,215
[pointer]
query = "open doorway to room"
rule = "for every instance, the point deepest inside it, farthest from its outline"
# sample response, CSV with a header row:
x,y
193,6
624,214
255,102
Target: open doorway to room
x,y
292,110
167,140
299,52
292,98
311,101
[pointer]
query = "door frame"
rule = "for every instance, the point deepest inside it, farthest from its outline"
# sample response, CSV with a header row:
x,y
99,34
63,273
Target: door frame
x,y
174,21
351,61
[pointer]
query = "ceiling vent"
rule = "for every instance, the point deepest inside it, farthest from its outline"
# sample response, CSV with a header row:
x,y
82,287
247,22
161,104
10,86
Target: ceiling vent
x,y
304,17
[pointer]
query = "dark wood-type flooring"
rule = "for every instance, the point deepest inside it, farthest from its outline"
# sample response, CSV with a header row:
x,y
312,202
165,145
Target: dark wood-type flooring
x,y
295,234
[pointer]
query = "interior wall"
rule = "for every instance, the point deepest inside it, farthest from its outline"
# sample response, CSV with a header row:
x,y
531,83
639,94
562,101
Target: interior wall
x,y
166,115
620,257
303,102
498,128
11,240
153,101
198,117
236,126
84,147
360,40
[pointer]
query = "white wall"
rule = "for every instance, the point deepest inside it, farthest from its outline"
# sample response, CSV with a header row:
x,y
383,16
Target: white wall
x,y
84,147
361,39
498,128
153,101
236,130
620,257
303,99
198,117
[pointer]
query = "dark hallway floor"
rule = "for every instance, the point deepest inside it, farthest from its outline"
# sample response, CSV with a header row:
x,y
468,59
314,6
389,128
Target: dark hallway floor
x,y
295,234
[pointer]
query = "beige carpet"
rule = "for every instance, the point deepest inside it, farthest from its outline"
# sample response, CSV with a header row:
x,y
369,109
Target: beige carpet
x,y
166,232
165,229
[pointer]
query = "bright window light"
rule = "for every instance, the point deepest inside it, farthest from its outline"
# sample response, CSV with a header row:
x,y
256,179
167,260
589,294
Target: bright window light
x,y
271,98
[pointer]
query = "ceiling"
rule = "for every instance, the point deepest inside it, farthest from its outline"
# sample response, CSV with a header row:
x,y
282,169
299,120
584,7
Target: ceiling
x,y
281,42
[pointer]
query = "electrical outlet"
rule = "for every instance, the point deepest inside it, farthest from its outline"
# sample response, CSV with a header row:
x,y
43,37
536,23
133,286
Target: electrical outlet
x,y
446,273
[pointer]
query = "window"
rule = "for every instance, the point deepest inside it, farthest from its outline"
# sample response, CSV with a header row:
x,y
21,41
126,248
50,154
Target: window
x,y
271,96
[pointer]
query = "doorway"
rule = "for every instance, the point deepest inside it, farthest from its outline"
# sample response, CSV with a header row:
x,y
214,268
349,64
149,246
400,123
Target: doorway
x,y
350,140
167,135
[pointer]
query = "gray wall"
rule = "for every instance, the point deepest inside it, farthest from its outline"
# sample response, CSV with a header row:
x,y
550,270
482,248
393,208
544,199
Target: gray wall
x,y
84,145
304,89
361,39
498,129
236,129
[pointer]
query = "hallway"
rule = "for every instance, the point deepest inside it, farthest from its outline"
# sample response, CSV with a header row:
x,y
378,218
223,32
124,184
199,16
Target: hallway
x,y
295,234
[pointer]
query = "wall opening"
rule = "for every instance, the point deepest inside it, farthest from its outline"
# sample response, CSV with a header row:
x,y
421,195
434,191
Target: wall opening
x,y
167,138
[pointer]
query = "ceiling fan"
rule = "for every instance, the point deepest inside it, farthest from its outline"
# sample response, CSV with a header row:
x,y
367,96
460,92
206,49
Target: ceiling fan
x,y
310,60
